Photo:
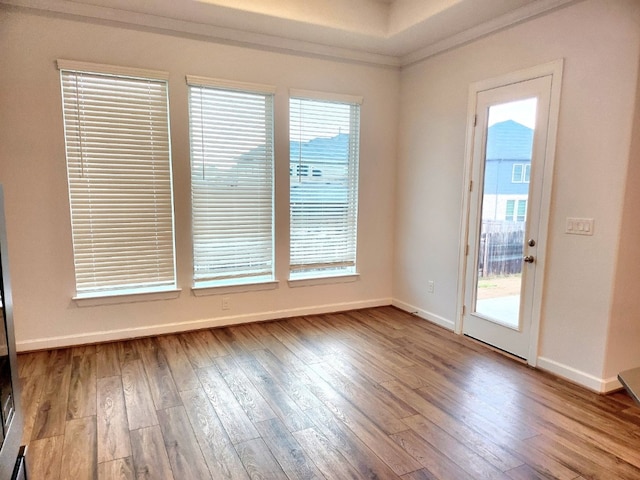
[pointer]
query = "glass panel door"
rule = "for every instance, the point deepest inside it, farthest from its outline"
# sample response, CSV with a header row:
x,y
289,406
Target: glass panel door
x,y
505,198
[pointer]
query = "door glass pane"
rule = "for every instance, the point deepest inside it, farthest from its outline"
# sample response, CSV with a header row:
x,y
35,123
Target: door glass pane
x,y
504,211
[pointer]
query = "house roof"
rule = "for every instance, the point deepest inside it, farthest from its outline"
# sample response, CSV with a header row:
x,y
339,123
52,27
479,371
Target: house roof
x,y
327,149
509,140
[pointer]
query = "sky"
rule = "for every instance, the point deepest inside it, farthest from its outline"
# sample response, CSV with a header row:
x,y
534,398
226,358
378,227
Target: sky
x,y
521,111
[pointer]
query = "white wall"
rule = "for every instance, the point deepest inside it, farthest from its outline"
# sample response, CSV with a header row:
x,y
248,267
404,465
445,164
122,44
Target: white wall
x,y
32,170
600,42
623,347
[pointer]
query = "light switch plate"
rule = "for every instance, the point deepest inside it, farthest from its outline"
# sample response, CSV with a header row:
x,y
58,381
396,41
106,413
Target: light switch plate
x,y
579,226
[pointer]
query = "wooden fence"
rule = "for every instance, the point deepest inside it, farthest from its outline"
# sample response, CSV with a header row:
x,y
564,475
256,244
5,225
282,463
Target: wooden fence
x,y
501,248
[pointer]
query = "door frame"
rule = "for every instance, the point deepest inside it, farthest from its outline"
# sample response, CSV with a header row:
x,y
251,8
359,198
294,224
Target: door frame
x,y
553,69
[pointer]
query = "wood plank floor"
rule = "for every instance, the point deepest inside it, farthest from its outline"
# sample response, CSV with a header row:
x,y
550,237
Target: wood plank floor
x,y
367,394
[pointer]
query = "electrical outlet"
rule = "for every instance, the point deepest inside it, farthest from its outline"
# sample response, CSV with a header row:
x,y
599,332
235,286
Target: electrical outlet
x,y
431,286
226,303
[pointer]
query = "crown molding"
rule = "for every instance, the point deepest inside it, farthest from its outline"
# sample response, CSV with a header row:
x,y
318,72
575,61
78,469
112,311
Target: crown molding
x,y
78,10
223,35
507,20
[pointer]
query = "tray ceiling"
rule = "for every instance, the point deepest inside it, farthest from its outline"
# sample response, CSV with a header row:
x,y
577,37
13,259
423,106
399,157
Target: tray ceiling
x,y
388,32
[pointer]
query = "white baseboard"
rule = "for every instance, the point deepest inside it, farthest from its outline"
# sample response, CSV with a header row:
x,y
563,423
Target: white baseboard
x,y
611,385
599,385
175,327
432,317
586,380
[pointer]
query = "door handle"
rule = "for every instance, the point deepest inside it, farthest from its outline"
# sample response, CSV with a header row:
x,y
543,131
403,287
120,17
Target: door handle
x,y
529,259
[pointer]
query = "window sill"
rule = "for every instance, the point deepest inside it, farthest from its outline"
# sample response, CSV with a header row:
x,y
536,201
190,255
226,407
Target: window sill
x,y
312,281
127,297
255,286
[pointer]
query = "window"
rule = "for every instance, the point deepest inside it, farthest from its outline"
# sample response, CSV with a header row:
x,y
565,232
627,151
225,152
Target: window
x,y
324,150
231,131
119,170
522,210
511,205
518,215
520,173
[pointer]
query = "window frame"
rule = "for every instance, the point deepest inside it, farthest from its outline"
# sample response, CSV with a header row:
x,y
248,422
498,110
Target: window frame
x,y
515,210
524,174
214,87
301,274
115,78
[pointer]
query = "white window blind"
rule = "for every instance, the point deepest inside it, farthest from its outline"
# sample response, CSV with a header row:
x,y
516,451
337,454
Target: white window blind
x,y
324,151
120,189
231,130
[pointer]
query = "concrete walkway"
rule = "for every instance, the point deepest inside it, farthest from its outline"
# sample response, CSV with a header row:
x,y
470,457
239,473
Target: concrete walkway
x,y
504,309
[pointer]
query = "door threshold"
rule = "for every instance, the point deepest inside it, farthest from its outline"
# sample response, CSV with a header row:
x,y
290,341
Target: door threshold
x,y
498,350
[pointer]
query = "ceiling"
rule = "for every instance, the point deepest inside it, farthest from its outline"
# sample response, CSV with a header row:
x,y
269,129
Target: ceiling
x,y
385,32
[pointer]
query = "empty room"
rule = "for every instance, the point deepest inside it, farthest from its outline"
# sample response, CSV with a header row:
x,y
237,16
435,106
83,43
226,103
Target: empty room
x,y
288,239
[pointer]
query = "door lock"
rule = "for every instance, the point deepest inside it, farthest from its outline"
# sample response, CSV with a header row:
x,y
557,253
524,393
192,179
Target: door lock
x,y
529,259
531,242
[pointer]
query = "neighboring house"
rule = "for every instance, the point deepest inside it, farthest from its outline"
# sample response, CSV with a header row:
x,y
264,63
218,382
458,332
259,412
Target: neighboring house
x,y
316,169
507,172
310,159
504,204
